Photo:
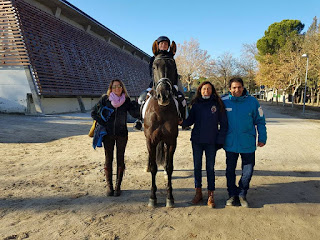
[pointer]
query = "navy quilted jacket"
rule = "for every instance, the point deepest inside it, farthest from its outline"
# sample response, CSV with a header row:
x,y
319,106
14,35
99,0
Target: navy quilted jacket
x,y
210,124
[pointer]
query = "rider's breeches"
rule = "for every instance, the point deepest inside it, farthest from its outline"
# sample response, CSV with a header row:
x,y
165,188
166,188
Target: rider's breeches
x,y
109,142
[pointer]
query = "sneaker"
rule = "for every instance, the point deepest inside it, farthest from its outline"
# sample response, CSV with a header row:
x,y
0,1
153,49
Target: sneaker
x,y
232,201
243,202
137,125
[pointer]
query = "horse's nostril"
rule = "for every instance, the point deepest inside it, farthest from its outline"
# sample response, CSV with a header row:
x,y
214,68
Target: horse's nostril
x,y
159,96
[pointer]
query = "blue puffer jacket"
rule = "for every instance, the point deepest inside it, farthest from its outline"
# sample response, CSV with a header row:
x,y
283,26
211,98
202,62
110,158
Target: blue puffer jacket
x,y
206,117
245,117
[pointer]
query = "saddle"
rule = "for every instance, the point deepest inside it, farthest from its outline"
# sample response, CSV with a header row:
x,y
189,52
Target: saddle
x,y
179,100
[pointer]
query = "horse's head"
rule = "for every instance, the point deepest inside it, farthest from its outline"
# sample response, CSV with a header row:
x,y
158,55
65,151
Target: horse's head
x,y
164,65
164,73
163,91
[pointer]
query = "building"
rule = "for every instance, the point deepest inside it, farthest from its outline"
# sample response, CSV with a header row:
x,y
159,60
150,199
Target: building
x,y
56,59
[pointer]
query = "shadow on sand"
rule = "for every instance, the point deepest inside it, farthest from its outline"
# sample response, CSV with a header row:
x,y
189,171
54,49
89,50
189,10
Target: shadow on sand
x,y
293,192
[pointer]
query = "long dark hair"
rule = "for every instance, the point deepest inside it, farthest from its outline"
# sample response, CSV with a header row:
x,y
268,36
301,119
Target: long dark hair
x,y
214,94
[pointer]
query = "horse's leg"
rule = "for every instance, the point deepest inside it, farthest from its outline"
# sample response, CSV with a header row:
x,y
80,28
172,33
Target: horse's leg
x,y
153,168
169,168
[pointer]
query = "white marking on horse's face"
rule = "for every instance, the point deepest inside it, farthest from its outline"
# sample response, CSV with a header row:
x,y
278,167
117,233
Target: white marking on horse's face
x,y
163,94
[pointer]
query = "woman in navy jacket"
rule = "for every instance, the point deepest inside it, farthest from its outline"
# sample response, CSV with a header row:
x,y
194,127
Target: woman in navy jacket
x,y
208,135
118,103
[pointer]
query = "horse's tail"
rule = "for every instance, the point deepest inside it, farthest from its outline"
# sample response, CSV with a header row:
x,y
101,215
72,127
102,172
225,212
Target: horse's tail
x,y
160,155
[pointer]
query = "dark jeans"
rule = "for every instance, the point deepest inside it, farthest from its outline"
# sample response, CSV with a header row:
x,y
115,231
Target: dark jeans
x,y
109,142
248,161
210,151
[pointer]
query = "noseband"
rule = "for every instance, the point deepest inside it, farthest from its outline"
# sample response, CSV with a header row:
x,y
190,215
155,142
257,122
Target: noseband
x,y
165,81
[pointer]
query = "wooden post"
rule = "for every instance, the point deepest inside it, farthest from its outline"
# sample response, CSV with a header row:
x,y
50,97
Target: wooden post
x,y
34,92
82,108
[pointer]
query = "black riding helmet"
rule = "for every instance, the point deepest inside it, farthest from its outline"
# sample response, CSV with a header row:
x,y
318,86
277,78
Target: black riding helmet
x,y
163,38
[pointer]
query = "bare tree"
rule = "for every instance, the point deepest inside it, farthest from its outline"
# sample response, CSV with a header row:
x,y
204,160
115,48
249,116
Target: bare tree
x,y
225,67
192,62
248,65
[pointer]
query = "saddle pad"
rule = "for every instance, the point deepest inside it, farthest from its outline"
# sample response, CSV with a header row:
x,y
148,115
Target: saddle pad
x,y
145,107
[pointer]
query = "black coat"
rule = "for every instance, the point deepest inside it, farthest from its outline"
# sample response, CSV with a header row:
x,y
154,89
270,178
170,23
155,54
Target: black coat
x,y
206,116
117,123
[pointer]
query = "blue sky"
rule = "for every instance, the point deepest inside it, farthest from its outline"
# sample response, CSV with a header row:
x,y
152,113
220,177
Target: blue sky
x,y
219,26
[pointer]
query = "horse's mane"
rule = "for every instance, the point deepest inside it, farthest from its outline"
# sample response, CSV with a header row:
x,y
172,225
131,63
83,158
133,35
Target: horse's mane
x,y
164,54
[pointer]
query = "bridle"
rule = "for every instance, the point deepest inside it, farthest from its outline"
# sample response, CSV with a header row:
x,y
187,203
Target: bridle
x,y
165,79
165,58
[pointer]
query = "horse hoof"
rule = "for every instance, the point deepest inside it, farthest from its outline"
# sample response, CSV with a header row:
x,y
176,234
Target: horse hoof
x,y
170,203
147,169
152,203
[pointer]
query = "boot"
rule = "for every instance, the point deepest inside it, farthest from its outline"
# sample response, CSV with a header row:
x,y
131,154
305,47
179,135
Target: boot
x,y
198,197
108,172
118,182
211,203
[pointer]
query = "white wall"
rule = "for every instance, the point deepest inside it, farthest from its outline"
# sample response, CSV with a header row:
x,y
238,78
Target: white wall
x,y
89,102
14,87
65,105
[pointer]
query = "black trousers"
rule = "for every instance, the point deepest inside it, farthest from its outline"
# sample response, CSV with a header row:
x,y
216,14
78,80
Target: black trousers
x,y
109,142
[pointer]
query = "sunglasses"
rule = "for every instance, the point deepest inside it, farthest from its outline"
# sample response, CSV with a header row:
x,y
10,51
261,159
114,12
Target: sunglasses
x,y
116,86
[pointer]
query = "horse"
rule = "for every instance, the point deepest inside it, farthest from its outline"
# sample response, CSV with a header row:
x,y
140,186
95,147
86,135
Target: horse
x,y
161,121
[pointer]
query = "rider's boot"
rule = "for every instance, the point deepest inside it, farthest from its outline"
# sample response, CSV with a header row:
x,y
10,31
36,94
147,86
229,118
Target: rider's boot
x,y
141,100
182,107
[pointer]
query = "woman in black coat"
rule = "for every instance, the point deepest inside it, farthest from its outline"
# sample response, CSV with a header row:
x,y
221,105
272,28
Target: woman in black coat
x,y
111,116
210,122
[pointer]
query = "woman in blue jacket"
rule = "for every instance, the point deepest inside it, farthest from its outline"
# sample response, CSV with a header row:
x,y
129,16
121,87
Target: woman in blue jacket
x,y
207,114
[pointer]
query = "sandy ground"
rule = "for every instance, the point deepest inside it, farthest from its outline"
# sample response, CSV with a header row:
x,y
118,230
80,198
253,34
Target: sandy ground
x,y
52,186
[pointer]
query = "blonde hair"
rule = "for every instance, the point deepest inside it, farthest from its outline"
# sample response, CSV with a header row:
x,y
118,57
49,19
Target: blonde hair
x,y
124,90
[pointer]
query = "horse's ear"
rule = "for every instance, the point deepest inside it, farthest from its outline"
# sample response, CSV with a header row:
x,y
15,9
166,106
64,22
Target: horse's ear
x,y
173,48
155,48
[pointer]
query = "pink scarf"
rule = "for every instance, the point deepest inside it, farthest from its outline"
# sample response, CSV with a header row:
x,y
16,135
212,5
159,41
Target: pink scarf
x,y
117,101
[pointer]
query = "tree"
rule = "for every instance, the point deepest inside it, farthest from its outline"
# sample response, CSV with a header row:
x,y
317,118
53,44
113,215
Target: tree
x,y
225,67
279,56
311,46
284,69
277,35
192,62
248,65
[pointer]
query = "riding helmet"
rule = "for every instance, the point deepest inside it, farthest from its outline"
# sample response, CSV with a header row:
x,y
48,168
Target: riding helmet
x,y
163,38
